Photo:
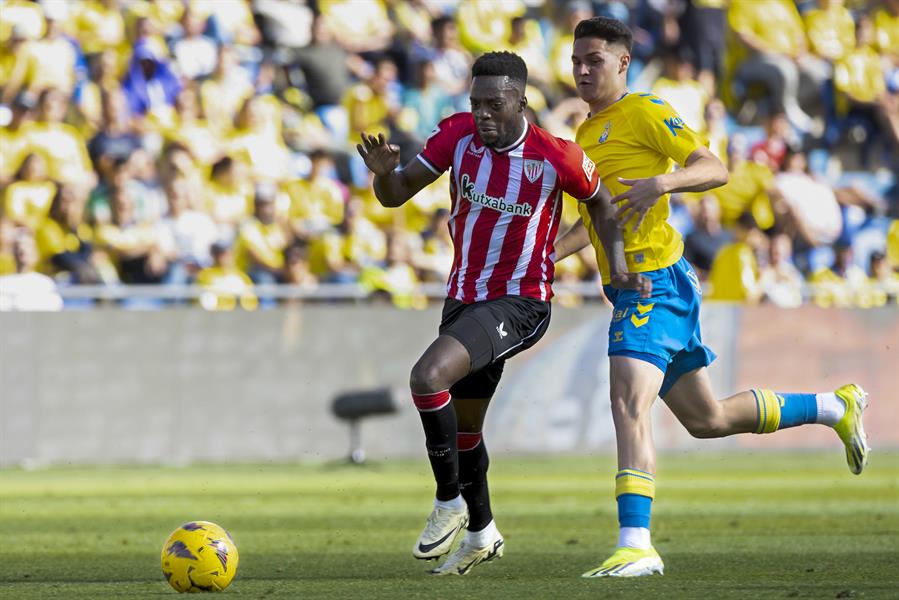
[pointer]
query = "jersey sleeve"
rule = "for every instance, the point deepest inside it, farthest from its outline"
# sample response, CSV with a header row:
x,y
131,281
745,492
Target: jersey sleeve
x,y
577,172
660,127
437,155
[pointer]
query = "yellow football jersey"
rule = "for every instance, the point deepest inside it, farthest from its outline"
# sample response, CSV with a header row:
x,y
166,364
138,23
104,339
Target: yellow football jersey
x,y
639,136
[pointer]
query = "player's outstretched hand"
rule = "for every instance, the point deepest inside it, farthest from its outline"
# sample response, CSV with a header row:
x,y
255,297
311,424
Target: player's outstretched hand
x,y
380,157
633,281
638,200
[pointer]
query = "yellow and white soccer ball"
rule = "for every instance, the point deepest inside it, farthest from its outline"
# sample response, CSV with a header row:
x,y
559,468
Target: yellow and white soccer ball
x,y
199,557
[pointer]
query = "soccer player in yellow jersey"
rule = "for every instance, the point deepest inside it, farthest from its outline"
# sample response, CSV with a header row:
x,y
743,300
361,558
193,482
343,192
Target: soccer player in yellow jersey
x,y
655,346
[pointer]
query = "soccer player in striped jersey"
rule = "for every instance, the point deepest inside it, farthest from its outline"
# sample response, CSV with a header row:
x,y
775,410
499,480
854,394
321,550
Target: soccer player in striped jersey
x,y
655,346
506,191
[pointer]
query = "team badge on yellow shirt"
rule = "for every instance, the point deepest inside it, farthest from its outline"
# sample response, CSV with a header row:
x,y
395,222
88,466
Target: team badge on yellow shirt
x,y
605,132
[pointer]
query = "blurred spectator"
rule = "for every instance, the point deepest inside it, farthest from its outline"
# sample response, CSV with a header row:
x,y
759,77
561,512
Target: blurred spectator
x,y
256,141
778,141
115,140
150,85
734,275
190,231
26,289
703,31
707,237
13,140
526,40
194,132
427,100
228,196
316,203
27,199
25,15
884,280
65,241
61,144
830,29
780,281
259,250
194,54
225,92
326,67
137,249
678,87
46,62
223,283
396,278
749,187
7,241
893,244
485,26
563,43
358,26
98,25
229,21
808,208
104,78
769,48
840,284
452,63
435,260
370,105
338,256
296,266
862,95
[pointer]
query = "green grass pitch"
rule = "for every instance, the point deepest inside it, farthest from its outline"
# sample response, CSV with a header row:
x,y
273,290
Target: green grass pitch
x,y
757,525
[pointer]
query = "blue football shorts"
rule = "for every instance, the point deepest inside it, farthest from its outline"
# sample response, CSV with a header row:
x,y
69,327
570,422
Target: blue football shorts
x,y
663,329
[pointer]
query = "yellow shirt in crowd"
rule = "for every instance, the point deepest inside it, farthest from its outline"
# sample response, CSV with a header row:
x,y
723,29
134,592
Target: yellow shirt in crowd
x,y
831,32
638,136
746,189
28,202
859,75
734,274
266,242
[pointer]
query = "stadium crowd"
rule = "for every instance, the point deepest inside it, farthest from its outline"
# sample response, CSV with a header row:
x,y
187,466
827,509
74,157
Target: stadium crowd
x,y
212,141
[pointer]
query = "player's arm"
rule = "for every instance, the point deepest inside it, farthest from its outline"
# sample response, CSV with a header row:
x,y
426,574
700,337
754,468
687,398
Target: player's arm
x,y
608,229
701,171
572,241
393,187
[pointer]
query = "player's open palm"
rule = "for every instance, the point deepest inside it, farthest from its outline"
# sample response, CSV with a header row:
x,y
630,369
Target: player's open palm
x,y
637,201
380,157
633,281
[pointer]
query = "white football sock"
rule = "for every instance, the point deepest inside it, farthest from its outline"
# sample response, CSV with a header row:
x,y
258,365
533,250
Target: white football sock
x,y
480,539
830,408
634,537
457,504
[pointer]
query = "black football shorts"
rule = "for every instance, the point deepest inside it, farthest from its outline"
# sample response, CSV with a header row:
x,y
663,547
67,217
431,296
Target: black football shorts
x,y
492,331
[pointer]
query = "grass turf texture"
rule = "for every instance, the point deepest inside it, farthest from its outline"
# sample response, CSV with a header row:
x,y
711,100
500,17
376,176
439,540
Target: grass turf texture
x,y
759,525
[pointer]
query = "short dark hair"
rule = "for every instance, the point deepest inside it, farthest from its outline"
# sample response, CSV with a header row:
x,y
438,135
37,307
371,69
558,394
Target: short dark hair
x,y
611,30
501,64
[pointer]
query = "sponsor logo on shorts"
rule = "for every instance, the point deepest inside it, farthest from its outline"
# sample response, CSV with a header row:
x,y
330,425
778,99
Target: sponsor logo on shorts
x,y
618,336
501,331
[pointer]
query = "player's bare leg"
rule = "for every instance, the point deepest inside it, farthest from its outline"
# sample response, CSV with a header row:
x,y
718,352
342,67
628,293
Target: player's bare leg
x,y
635,385
442,364
693,402
483,541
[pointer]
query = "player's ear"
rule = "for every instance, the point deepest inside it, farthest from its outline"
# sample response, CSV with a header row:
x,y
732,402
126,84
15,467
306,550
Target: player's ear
x,y
624,62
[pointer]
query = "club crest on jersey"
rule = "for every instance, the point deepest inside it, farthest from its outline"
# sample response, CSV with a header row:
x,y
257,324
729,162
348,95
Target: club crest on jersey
x,y
473,149
533,169
605,132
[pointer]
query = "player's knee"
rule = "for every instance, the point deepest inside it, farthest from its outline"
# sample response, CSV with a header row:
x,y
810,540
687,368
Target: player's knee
x,y
427,377
711,425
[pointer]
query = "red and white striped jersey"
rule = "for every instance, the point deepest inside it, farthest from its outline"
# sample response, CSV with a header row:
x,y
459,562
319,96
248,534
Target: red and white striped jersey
x,y
506,206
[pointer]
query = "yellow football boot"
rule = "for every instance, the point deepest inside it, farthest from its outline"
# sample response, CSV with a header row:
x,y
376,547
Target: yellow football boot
x,y
629,562
851,429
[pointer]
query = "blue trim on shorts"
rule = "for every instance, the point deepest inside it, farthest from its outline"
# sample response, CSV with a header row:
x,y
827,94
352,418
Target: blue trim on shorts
x,y
652,359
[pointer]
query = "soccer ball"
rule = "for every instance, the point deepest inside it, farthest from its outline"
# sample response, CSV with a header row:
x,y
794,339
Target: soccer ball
x,y
199,557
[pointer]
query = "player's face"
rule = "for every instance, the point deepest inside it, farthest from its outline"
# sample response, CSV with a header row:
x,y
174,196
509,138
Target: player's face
x,y
599,68
497,107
